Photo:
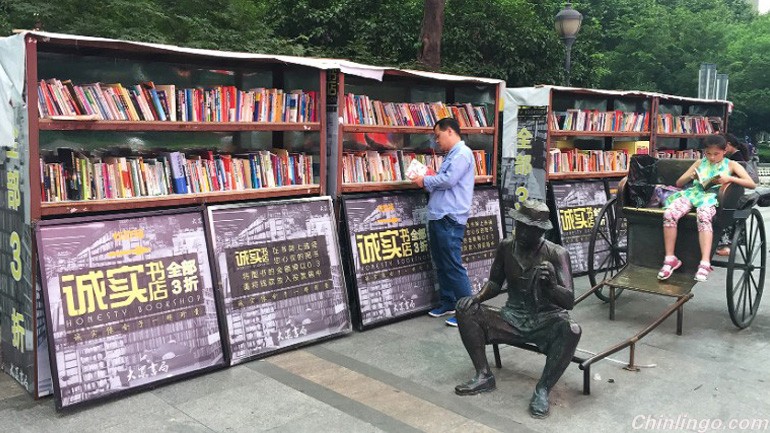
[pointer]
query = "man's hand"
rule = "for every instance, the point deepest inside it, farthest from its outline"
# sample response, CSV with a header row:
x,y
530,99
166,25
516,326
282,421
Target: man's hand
x,y
419,180
466,302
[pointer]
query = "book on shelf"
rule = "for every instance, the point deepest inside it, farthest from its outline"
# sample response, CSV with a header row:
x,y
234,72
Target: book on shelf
x,y
599,121
74,175
147,101
678,154
633,147
580,161
696,125
361,110
400,165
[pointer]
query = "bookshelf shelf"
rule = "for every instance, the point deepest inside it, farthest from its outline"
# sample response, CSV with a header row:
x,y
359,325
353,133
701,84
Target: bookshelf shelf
x,y
678,135
89,206
562,133
409,129
377,186
103,125
395,186
587,175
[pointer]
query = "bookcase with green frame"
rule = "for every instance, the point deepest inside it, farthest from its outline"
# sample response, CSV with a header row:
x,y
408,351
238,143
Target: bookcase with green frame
x,y
102,126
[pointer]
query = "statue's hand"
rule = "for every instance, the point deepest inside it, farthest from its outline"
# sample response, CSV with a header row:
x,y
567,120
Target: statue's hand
x,y
466,302
547,274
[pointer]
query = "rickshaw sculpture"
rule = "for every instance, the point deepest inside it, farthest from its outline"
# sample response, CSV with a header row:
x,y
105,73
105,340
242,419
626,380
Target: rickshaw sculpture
x,y
626,249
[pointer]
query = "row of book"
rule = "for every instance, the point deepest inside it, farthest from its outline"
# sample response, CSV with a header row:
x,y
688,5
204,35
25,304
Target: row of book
x,y
679,154
72,175
578,160
599,121
361,110
147,101
669,123
392,166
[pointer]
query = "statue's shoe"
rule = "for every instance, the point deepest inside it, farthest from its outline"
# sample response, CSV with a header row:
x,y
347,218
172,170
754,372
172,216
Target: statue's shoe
x,y
480,383
539,406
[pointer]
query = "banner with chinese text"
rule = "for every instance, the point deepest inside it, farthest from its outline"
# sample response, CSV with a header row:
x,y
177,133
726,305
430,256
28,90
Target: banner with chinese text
x,y
280,276
483,233
18,342
129,302
578,203
390,256
524,176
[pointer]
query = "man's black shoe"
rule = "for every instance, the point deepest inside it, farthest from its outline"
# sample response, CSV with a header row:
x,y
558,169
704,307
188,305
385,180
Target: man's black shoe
x,y
480,383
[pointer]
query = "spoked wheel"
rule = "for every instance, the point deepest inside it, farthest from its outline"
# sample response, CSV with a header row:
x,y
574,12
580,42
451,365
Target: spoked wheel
x,y
746,269
607,248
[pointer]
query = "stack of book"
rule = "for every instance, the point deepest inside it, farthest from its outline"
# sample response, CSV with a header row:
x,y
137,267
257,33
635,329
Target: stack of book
x,y
392,166
577,160
671,124
72,175
151,102
679,154
599,121
360,110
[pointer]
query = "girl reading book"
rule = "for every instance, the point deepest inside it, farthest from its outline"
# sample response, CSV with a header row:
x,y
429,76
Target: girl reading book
x,y
706,175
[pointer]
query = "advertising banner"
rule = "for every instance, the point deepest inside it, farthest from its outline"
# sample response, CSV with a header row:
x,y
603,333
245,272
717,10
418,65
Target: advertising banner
x,y
482,235
577,205
129,302
279,272
390,256
524,175
17,295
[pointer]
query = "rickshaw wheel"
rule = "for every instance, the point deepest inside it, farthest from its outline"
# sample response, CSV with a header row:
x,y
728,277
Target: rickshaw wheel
x,y
746,269
607,248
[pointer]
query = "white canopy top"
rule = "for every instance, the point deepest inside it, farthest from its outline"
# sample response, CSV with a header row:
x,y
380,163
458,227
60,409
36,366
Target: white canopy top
x,y
345,66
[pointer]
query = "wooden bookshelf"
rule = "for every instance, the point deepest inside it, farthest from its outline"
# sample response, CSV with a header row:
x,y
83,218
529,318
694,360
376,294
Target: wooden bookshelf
x,y
563,100
112,60
397,87
103,125
91,206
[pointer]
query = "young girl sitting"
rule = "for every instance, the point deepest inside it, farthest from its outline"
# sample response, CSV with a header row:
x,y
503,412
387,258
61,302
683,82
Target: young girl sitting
x,y
713,165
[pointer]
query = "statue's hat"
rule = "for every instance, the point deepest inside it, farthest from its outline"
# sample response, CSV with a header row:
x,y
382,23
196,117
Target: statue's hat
x,y
533,213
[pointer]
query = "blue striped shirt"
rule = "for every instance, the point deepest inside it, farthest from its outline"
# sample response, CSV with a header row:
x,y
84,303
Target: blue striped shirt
x,y
451,189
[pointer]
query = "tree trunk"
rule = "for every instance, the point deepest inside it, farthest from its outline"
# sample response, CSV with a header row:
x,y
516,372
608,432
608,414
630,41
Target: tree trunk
x,y
430,36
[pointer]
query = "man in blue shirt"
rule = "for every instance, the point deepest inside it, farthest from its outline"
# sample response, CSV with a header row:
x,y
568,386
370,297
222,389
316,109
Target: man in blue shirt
x,y
451,192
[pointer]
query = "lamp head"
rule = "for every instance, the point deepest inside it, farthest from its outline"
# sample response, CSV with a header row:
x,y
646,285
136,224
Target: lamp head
x,y
567,22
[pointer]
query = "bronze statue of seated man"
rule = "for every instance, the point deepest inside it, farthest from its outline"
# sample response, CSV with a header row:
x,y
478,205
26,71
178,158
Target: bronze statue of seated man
x,y
540,292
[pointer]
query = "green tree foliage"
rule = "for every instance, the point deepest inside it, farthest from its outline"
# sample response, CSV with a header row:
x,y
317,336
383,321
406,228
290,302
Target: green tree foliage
x,y
624,44
218,24
748,62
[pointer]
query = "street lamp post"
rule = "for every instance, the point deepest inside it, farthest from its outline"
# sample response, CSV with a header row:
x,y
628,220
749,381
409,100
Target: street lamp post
x,y
567,23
